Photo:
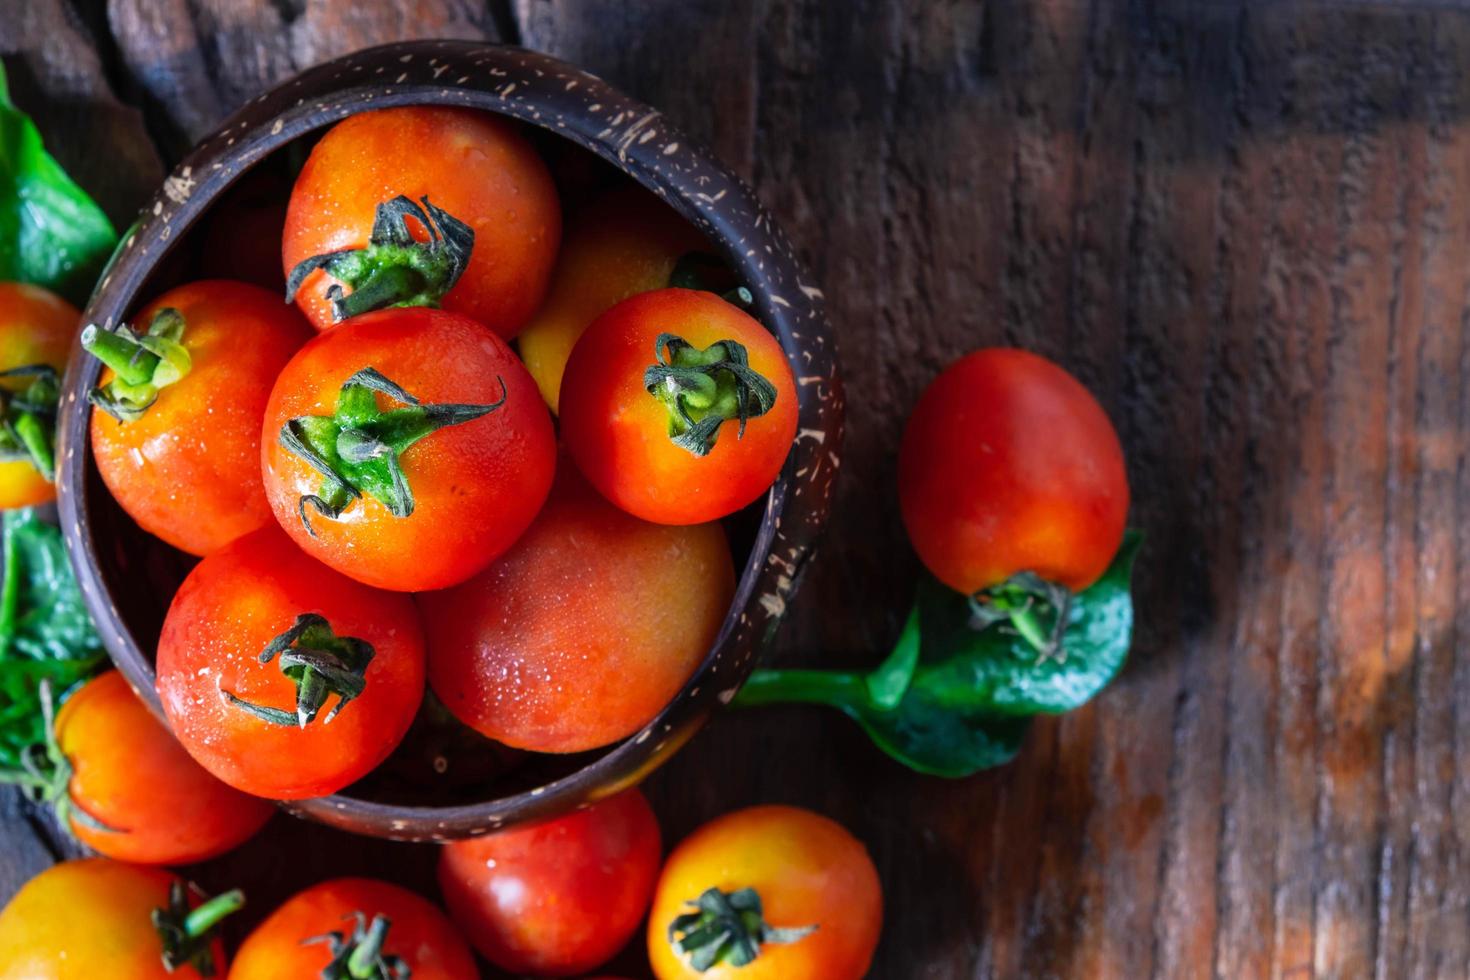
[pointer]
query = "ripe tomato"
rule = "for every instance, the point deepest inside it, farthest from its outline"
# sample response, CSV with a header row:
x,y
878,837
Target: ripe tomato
x,y
36,331
433,489
475,166
93,918
584,630
560,897
253,723
142,799
624,243
371,922
797,893
1009,465
185,463
655,423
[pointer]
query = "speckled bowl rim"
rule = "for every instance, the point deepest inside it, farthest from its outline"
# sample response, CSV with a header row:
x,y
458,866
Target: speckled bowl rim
x,y
545,92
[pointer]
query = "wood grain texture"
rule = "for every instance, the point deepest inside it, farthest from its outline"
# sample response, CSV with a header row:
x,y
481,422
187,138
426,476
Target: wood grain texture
x,y
1247,229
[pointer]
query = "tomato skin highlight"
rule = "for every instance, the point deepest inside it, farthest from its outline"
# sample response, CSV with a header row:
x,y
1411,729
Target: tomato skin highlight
x,y
36,327
90,918
419,933
132,775
624,243
557,898
582,632
235,602
188,470
475,165
1008,464
807,869
476,485
618,433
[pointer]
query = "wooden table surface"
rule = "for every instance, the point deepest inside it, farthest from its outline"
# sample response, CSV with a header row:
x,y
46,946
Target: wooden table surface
x,y
1246,228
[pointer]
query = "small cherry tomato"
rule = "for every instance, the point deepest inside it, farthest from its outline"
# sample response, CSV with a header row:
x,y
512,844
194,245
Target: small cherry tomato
x,y
36,331
177,439
679,407
767,893
407,449
354,927
258,640
1009,465
560,897
135,794
488,254
102,918
625,243
584,630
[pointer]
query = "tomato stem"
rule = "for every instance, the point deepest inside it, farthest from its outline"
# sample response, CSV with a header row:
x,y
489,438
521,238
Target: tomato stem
x,y
360,954
1016,601
321,664
142,364
727,928
394,269
703,389
187,936
28,418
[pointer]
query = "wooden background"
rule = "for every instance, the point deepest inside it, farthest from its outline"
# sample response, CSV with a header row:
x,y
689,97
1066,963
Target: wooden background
x,y
1246,227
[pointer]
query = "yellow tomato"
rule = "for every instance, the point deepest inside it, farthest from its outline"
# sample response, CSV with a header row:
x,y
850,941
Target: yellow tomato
x,y
36,328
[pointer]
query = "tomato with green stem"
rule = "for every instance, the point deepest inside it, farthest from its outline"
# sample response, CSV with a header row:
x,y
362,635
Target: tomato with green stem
x,y
584,630
36,331
559,897
422,205
678,406
133,793
355,929
102,918
176,430
1013,489
766,893
262,647
624,243
407,448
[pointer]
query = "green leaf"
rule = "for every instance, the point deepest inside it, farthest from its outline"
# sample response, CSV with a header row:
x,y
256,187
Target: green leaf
x,y
940,740
45,632
998,671
51,233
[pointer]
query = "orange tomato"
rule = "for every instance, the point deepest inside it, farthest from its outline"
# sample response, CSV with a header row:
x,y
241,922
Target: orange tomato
x,y
1008,464
474,165
812,878
418,936
36,328
626,242
92,918
130,775
584,630
187,469
621,431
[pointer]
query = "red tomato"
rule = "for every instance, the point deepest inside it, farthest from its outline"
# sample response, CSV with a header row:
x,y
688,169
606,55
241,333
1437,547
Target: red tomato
x,y
560,897
472,485
473,165
130,776
621,422
186,467
36,331
378,922
253,594
93,918
814,884
1009,465
584,630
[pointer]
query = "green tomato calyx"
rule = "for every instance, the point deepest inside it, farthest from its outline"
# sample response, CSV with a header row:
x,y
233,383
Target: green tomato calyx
x,y
359,955
394,269
703,389
321,664
143,364
727,929
1024,600
28,418
188,934
357,449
